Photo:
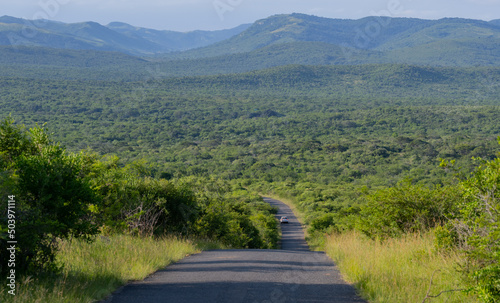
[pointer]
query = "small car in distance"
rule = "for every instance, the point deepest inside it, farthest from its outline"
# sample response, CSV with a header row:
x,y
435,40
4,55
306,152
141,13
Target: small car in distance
x,y
283,220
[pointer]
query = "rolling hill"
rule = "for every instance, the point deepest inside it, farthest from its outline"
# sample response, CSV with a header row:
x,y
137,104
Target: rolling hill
x,y
374,33
275,41
116,36
299,27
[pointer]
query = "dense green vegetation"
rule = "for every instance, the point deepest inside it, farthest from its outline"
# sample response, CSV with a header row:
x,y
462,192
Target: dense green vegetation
x,y
311,109
62,195
354,147
364,125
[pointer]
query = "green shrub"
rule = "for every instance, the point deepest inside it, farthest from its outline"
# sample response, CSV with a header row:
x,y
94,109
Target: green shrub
x,y
52,195
406,208
323,222
232,215
478,229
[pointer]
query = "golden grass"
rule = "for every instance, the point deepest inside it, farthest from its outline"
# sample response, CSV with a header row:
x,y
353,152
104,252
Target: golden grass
x,y
93,270
397,270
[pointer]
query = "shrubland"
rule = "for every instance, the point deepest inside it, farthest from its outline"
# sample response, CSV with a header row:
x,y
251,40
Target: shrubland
x,y
356,149
65,198
413,242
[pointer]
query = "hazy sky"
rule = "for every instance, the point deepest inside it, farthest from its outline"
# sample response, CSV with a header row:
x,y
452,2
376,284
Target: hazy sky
x,y
185,15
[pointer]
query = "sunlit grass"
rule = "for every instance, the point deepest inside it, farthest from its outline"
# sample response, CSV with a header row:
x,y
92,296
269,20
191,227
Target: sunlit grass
x,y
397,270
93,270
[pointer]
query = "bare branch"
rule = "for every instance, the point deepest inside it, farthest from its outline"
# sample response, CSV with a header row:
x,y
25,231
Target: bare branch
x,y
427,296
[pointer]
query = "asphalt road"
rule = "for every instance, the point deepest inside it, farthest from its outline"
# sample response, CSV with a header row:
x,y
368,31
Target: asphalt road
x,y
291,274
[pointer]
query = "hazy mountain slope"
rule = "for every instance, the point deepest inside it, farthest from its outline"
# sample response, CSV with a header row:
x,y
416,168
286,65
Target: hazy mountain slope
x,y
299,27
91,35
177,41
86,35
279,40
401,40
495,22
305,53
15,32
472,52
107,39
448,29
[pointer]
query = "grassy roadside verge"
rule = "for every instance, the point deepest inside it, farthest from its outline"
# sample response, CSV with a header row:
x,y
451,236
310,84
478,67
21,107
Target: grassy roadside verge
x,y
393,271
94,270
397,270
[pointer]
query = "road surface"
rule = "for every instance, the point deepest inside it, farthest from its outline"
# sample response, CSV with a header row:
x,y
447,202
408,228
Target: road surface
x,y
291,274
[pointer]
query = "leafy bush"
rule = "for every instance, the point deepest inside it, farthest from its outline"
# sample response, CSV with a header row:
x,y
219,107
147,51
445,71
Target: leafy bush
x,y
52,195
232,215
323,222
406,208
478,229
143,205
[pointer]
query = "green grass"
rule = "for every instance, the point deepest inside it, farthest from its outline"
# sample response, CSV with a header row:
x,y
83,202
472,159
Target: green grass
x,y
94,270
397,270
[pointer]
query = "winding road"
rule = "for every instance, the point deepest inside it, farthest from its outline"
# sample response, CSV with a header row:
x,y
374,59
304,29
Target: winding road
x,y
291,274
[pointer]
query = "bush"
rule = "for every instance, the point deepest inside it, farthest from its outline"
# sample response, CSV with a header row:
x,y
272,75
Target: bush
x,y
478,229
406,208
145,206
52,195
232,215
323,222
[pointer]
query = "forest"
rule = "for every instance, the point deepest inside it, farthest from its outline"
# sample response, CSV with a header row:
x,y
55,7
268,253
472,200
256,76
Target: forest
x,y
189,155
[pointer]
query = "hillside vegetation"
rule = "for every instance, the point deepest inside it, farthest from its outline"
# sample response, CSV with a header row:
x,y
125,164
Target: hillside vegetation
x,y
270,42
363,41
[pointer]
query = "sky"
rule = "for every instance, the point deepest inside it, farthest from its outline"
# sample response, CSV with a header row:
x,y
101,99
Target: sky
x,y
188,15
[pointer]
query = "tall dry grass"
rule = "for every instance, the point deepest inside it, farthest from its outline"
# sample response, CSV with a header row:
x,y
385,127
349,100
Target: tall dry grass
x,y
94,270
398,270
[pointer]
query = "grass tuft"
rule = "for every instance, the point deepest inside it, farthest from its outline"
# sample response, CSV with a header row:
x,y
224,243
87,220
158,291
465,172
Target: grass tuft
x,y
397,270
94,270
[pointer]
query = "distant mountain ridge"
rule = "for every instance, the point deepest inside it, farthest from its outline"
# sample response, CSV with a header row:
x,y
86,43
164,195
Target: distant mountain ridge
x,y
116,36
275,41
370,33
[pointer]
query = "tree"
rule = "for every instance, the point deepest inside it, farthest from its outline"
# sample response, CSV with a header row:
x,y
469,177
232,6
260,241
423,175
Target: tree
x,y
406,208
478,228
52,193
